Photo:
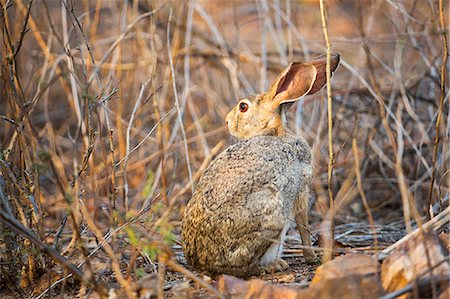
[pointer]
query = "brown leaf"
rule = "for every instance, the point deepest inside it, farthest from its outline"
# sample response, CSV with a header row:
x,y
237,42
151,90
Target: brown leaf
x,y
231,286
256,288
349,264
352,286
412,260
445,294
346,287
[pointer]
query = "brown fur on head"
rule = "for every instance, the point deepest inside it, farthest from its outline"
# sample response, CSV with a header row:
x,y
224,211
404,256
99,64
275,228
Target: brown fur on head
x,y
262,114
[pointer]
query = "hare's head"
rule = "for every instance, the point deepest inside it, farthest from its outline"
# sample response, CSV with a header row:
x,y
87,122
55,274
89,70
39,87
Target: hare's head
x,y
263,114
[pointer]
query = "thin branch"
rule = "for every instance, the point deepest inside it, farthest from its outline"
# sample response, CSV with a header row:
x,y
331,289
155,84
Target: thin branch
x,y
177,103
361,191
328,254
194,277
435,224
121,37
24,30
130,124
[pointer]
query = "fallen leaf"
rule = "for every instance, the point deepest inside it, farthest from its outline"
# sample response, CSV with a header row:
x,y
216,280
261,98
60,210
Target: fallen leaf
x,y
352,286
280,277
345,287
412,260
146,287
445,294
349,264
233,287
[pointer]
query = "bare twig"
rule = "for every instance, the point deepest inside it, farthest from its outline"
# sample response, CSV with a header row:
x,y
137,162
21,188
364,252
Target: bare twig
x,y
120,39
168,114
423,283
115,261
194,277
127,155
436,223
361,191
24,30
177,103
328,254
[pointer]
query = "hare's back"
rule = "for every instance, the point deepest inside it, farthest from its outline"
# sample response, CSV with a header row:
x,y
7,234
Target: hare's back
x,y
283,164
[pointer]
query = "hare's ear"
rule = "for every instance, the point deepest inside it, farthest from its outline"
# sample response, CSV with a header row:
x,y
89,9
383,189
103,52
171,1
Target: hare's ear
x,y
294,82
300,79
321,66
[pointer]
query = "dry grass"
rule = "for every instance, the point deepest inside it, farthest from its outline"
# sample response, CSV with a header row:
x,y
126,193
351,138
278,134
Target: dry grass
x,y
109,112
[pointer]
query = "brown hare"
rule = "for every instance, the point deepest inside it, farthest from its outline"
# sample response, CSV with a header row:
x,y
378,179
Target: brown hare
x,y
251,193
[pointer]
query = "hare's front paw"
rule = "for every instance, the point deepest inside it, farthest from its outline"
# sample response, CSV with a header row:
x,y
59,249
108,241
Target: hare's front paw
x,y
277,265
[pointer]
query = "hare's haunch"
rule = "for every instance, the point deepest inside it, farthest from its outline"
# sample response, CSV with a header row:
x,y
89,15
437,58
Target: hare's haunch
x,y
249,196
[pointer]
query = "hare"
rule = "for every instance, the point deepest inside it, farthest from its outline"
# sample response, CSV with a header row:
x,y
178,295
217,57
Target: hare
x,y
251,193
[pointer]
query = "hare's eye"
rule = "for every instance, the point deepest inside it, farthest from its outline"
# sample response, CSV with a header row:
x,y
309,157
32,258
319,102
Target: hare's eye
x,y
243,107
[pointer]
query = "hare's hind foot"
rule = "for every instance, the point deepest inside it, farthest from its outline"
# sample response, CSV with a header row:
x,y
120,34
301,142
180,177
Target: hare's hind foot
x,y
313,260
311,257
278,265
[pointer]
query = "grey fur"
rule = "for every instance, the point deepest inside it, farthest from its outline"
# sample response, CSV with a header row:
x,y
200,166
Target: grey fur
x,y
242,202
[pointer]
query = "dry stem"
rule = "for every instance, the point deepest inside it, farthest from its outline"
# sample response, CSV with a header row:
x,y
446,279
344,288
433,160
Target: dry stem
x,y
329,252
